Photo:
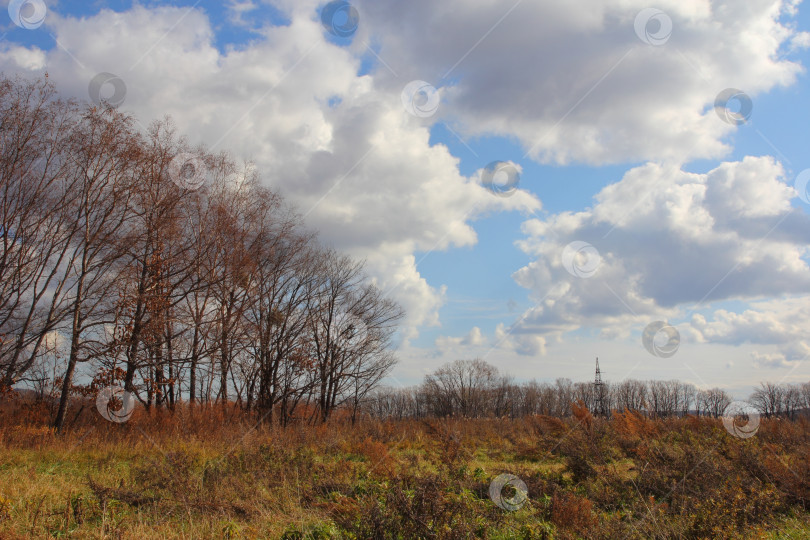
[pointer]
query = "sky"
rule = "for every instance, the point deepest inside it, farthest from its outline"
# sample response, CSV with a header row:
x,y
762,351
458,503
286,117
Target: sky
x,y
537,183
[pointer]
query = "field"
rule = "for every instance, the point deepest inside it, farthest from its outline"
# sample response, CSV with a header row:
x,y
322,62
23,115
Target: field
x,y
211,473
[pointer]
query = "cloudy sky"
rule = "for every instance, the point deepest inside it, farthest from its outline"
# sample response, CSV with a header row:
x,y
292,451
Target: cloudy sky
x,y
537,183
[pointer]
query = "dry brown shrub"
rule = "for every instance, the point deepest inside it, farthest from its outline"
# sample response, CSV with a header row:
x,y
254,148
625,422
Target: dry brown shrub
x,y
582,414
791,474
547,425
633,424
27,436
376,452
573,512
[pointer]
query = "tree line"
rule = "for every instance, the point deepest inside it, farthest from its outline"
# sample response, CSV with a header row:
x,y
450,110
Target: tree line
x,y
475,389
129,258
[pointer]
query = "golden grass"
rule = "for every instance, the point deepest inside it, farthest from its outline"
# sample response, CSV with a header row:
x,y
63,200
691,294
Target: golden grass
x,y
216,473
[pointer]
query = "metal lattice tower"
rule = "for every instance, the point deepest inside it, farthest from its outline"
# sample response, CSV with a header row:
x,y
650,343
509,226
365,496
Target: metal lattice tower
x,y
599,401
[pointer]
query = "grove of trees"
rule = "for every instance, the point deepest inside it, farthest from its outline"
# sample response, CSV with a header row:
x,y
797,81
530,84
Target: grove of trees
x,y
129,258
474,388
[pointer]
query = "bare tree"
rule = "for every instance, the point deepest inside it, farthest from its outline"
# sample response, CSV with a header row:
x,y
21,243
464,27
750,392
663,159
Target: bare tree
x,y
630,394
35,230
769,399
350,329
584,392
287,279
712,402
791,400
685,397
805,390
96,200
463,388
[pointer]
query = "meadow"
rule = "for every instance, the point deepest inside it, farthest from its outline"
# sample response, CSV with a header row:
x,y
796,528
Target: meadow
x,y
214,472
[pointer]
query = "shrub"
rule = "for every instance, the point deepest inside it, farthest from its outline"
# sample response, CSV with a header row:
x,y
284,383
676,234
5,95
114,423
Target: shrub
x,y
570,511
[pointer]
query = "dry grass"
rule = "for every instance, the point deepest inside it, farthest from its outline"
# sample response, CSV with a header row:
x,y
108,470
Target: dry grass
x,y
213,473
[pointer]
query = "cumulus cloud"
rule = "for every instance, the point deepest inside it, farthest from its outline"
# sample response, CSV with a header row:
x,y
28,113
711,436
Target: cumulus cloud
x,y
572,80
475,338
662,240
239,9
778,323
773,361
23,58
521,338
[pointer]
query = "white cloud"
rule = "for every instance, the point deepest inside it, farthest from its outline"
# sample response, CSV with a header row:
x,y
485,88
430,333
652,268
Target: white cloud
x,y
776,329
572,81
23,58
475,338
772,361
801,40
668,240
238,9
520,340
772,321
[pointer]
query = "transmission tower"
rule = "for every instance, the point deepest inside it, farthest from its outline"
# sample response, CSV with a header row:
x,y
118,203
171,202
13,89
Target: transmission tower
x,y
599,397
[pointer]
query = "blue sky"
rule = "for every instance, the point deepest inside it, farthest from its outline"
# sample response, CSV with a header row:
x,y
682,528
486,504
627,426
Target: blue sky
x,y
612,127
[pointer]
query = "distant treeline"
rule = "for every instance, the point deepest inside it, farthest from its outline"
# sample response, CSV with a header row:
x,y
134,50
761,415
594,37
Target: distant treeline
x,y
474,389
129,258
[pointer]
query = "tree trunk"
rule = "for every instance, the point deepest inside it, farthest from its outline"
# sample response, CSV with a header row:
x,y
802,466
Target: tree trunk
x,y
74,354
